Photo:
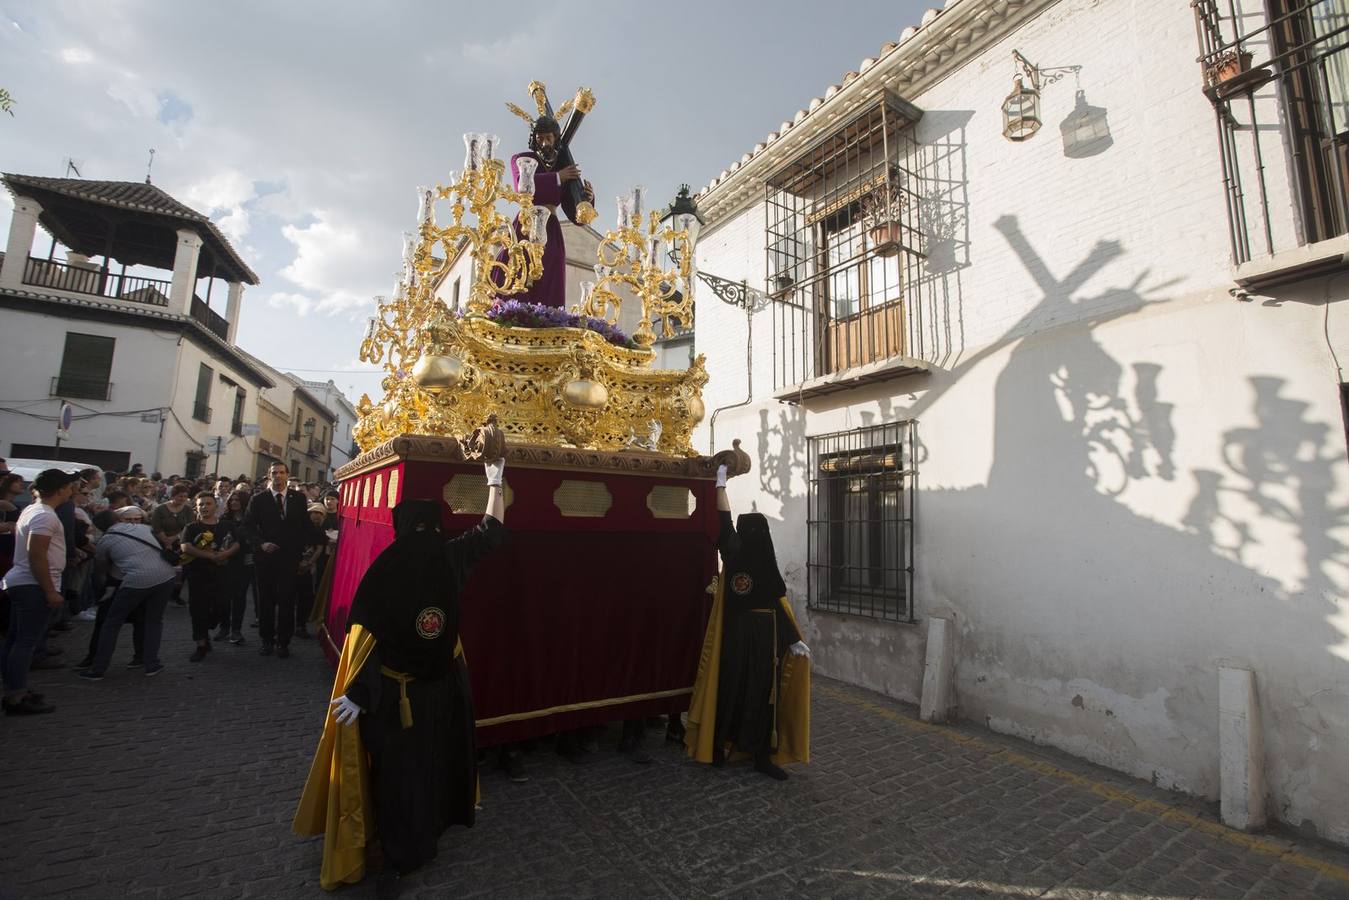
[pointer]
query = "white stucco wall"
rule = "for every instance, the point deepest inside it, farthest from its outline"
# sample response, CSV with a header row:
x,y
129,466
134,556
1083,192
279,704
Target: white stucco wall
x,y
150,370
1126,477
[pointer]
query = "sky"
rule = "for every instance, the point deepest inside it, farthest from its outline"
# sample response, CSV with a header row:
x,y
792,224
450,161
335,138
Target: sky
x,y
303,128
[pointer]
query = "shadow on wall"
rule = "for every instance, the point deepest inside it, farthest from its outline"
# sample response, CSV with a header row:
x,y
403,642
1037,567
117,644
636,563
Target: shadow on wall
x,y
1097,629
935,295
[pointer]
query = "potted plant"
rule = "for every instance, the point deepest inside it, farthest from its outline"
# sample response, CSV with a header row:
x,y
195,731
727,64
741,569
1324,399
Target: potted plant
x,y
883,216
1226,66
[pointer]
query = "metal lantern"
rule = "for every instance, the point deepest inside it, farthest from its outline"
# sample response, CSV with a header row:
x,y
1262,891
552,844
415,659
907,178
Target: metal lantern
x,y
1021,112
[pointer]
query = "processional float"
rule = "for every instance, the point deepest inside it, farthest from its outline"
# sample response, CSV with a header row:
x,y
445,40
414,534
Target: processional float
x,y
595,610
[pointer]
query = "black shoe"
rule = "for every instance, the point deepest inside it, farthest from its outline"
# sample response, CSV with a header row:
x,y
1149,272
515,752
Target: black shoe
x,y
221,634
514,766
389,885
236,638
632,748
674,732
151,671
266,650
179,601
30,705
199,654
282,652
91,675
718,757
86,662
60,626
763,764
136,663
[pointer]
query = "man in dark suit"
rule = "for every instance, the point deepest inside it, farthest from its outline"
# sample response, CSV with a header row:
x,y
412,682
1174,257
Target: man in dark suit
x,y
280,521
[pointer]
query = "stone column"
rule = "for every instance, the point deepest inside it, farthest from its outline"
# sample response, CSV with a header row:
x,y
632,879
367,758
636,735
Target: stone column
x,y
22,229
184,271
1241,750
232,306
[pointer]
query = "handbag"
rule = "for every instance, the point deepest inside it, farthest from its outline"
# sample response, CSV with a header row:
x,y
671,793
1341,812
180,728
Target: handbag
x,y
169,556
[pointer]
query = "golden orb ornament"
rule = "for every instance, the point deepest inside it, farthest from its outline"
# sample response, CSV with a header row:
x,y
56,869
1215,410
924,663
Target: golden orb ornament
x,y
586,393
434,373
696,409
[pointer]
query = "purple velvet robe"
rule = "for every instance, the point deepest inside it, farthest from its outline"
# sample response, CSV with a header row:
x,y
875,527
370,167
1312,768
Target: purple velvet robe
x,y
551,287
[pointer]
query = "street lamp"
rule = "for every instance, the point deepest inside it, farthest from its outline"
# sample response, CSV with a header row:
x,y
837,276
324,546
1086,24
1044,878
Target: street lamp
x,y
683,211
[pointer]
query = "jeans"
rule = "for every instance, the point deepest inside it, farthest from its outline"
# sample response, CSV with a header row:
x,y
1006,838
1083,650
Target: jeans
x,y
124,603
28,617
240,579
137,620
207,604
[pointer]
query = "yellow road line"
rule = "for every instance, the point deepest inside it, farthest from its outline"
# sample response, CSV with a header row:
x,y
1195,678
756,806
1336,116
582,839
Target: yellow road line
x,y
1285,851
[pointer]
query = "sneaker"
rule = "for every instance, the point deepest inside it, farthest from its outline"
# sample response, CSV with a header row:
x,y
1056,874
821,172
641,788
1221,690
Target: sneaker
x,y
30,705
199,654
47,662
236,638
283,652
221,634
136,663
89,615
266,650
153,670
91,675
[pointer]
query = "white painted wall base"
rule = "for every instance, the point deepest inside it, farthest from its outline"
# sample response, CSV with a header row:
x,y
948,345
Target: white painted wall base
x,y
938,695
1241,752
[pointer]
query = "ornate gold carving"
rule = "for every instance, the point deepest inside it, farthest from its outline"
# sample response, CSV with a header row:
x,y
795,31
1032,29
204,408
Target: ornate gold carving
x,y
421,448
668,501
583,499
631,255
563,387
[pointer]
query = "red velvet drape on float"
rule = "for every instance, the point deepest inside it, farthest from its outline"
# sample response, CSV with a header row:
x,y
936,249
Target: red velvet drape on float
x,y
577,620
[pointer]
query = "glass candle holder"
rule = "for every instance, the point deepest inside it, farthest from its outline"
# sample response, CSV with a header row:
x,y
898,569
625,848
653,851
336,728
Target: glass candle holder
x,y
472,150
490,143
587,288
538,230
638,202
426,199
625,211
525,168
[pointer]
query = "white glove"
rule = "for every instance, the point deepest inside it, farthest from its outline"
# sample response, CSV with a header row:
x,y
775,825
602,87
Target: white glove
x,y
495,469
799,649
345,711
721,476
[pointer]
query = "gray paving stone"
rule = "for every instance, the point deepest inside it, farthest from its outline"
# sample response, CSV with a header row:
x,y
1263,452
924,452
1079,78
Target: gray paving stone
x,y
184,786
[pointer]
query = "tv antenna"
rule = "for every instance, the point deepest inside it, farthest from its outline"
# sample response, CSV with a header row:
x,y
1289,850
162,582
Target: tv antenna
x,y
72,165
150,165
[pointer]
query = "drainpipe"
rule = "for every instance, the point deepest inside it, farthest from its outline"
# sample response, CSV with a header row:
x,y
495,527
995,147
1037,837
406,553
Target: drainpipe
x,y
749,375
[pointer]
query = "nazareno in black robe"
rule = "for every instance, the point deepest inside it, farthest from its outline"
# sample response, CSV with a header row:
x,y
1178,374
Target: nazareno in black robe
x,y
755,635
423,777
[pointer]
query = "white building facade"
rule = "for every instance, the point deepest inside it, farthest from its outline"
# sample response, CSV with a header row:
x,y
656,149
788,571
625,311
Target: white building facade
x,y
344,448
149,367
1051,431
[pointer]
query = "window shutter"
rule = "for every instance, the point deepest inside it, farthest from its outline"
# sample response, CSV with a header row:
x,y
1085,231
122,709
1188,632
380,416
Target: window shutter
x,y
86,366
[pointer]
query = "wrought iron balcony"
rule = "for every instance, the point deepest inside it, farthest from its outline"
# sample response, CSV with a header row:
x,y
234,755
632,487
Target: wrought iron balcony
x,y
201,412
76,387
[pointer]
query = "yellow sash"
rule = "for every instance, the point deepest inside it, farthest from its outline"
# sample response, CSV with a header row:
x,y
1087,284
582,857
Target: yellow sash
x,y
793,700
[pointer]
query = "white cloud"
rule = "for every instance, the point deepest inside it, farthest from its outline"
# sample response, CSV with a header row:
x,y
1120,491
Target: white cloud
x,y
75,56
298,302
332,260
222,196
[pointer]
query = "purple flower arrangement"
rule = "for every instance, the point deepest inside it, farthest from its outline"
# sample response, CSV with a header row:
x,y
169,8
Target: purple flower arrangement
x,y
537,315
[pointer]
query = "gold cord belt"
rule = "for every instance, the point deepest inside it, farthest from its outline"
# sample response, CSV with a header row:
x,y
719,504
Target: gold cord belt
x,y
404,705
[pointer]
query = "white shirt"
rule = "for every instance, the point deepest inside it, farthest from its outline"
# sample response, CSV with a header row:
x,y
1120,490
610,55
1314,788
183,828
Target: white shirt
x,y
37,518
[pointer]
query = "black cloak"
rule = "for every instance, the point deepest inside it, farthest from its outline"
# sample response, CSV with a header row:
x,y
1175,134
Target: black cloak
x,y
756,635
418,728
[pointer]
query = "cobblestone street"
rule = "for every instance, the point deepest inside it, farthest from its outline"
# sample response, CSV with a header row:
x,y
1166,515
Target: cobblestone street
x,y
184,785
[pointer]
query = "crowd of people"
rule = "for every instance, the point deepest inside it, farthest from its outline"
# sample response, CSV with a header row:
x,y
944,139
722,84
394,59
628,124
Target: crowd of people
x,y
117,548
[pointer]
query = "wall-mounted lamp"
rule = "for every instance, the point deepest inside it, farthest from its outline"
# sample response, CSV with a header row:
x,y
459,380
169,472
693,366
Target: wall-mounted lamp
x,y
1021,110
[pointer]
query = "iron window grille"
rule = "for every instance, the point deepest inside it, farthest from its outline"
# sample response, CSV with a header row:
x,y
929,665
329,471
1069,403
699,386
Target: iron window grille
x,y
843,245
1302,48
860,521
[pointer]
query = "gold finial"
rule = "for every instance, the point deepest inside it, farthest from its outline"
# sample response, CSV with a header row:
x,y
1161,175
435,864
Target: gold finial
x,y
584,101
520,112
540,94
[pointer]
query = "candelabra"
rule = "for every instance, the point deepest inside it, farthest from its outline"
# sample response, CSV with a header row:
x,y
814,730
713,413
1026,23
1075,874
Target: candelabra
x,y
633,255
413,329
